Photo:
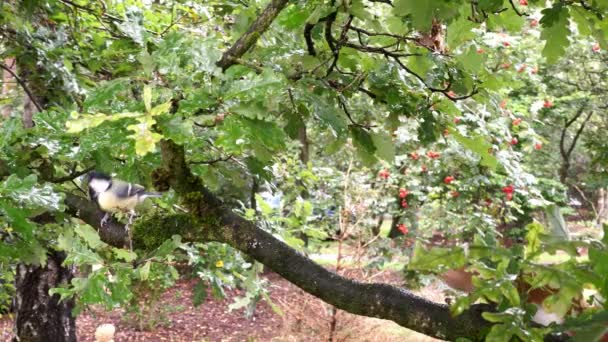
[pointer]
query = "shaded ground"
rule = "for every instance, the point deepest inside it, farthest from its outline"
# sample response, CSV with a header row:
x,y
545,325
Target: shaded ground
x,y
306,318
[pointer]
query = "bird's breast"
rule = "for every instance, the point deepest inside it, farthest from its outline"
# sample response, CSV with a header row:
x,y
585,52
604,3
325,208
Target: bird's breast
x,y
108,201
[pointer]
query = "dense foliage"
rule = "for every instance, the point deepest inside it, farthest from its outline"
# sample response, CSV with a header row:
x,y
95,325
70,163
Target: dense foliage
x,y
459,120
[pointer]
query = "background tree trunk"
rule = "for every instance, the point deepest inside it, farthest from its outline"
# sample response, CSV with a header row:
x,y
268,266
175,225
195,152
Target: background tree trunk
x,y
39,316
8,84
602,206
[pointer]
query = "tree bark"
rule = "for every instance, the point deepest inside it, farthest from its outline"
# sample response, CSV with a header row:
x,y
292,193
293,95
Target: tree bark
x,y
8,84
249,38
602,206
39,316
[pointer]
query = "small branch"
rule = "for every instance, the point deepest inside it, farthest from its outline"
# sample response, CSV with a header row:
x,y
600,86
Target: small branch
x,y
595,213
350,118
578,133
371,34
310,44
212,161
331,41
23,85
368,93
380,50
516,10
73,175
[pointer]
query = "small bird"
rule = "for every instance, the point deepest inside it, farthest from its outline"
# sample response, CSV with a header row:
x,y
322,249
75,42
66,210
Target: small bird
x,y
113,195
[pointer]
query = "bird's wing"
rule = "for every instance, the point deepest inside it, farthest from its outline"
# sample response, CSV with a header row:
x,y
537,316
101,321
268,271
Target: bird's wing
x,y
124,189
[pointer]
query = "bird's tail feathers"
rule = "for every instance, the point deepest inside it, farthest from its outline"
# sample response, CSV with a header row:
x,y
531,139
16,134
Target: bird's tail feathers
x,y
149,195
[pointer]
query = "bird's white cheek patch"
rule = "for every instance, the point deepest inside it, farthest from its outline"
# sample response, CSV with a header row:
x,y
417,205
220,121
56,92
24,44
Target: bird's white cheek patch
x,y
99,185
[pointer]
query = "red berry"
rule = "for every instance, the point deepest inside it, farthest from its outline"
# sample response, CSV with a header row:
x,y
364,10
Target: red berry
x,y
538,146
433,155
596,47
455,193
402,228
548,104
384,174
517,121
414,155
402,193
506,44
514,141
480,51
448,179
505,65
508,190
533,23
521,68
523,2
457,120
404,204
451,94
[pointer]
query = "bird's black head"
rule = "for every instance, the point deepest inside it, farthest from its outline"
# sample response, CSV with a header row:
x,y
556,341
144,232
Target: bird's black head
x,y
98,182
98,175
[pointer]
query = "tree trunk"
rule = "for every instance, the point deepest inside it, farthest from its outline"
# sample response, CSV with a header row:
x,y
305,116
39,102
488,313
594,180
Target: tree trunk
x,y
39,316
8,85
602,206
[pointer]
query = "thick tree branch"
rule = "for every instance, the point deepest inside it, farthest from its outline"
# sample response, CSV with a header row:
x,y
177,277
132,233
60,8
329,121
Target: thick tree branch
x,y
249,38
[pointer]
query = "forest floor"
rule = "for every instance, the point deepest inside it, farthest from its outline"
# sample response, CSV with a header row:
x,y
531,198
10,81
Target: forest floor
x,y
305,318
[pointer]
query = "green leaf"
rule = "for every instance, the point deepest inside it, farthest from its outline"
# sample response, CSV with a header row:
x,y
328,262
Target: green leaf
x,y
145,139
199,293
499,332
436,258
85,121
459,31
490,5
90,236
144,271
555,31
364,144
168,246
124,254
273,306
480,146
148,98
160,109
421,12
385,148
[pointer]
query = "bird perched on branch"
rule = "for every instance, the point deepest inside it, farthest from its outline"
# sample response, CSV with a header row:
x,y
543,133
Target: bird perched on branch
x,y
114,195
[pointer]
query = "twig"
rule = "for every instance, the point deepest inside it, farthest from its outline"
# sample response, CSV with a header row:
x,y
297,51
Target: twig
x,y
213,161
350,118
587,200
516,10
23,85
73,175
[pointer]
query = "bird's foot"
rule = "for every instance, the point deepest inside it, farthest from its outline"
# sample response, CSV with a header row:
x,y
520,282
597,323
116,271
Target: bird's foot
x,y
105,219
